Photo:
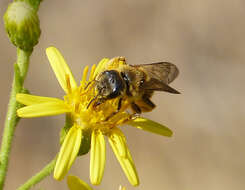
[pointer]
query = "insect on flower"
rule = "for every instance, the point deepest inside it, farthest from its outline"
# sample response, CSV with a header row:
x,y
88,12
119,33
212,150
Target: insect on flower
x,y
91,108
133,85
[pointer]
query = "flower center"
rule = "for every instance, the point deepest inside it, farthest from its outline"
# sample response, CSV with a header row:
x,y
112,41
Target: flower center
x,y
92,117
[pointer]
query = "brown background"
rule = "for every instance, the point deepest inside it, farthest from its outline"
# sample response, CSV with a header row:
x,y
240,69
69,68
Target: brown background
x,y
205,39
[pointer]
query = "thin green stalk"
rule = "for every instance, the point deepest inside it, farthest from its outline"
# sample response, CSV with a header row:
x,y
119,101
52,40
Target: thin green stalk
x,y
11,118
23,62
46,171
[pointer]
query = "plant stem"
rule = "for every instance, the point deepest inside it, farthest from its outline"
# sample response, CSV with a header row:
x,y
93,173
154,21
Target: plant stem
x,y
11,117
46,171
23,62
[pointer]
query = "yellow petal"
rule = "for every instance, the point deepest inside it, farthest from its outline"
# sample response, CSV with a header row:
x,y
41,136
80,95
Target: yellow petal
x,y
122,188
118,138
100,66
60,68
44,109
91,76
118,142
120,118
74,183
84,77
28,99
68,152
151,126
97,157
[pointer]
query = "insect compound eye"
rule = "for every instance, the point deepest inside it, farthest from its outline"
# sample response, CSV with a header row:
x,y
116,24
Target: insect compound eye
x,y
113,83
142,81
111,80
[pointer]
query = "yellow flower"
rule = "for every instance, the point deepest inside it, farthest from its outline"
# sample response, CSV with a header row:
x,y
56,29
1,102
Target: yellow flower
x,y
74,183
85,119
122,188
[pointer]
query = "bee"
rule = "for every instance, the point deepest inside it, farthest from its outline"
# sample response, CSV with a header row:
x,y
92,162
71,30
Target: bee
x,y
134,84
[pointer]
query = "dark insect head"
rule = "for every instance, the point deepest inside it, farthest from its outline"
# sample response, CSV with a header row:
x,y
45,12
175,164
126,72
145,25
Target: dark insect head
x,y
109,84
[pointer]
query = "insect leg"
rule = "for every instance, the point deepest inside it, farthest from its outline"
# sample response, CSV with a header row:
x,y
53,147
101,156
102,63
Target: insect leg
x,y
118,109
91,101
135,108
90,83
119,104
148,102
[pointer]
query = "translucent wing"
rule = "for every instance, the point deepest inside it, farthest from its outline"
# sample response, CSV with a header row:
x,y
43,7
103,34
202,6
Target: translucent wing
x,y
159,75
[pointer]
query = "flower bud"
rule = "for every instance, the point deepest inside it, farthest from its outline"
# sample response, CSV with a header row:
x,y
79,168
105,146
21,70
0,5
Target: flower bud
x,y
86,136
22,25
85,144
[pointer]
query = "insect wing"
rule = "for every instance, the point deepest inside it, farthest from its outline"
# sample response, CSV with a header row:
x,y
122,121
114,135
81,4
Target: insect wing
x,y
159,75
162,71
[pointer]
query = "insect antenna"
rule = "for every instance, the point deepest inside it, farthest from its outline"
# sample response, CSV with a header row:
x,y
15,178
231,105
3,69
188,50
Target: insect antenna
x,y
89,83
91,101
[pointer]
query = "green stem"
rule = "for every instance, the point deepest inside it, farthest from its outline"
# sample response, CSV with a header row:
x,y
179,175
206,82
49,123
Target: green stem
x,y
11,118
23,62
46,171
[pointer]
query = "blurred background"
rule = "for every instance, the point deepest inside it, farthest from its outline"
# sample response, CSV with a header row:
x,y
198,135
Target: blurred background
x,y
205,39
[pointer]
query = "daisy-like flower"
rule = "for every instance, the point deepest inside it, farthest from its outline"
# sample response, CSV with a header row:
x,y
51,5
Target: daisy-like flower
x,y
74,183
93,121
